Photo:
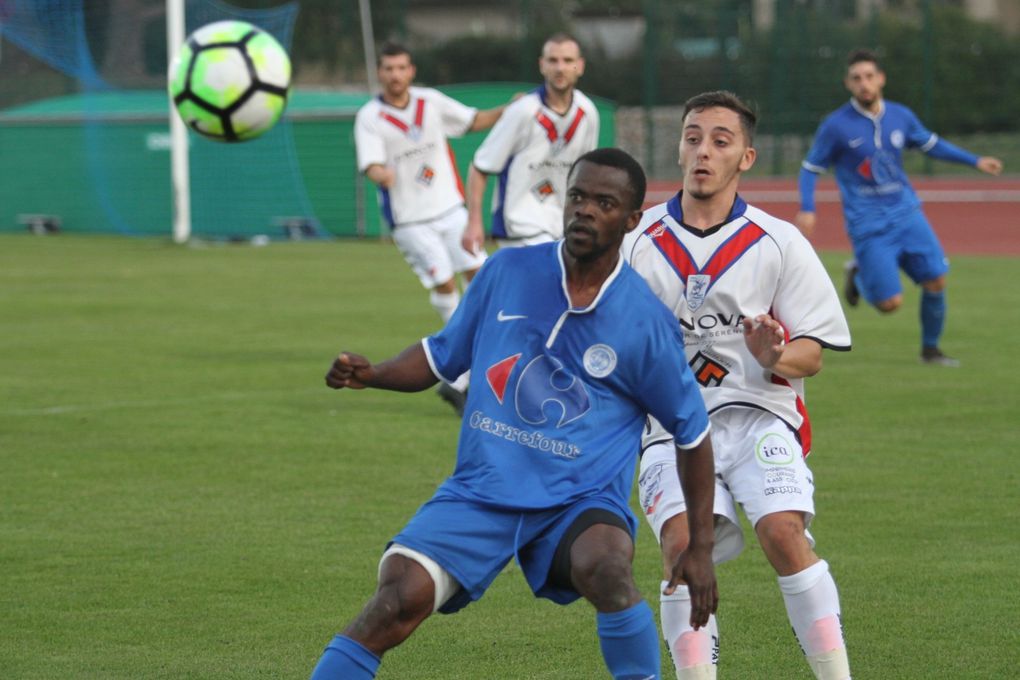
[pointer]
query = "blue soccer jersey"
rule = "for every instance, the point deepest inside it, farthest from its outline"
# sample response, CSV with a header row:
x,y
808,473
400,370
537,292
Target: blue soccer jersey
x,y
867,152
558,395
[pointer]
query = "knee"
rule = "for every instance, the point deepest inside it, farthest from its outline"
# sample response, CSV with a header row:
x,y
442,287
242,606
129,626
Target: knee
x,y
606,580
782,535
446,287
889,305
935,285
389,618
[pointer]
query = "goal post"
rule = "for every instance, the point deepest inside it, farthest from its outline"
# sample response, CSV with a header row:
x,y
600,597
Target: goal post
x,y
179,169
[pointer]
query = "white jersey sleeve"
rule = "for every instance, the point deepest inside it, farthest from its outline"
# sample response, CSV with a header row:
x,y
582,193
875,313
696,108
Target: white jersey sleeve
x,y
456,118
505,137
368,142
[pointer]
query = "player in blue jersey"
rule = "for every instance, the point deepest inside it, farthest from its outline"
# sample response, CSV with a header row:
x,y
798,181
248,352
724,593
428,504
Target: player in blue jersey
x,y
565,361
864,139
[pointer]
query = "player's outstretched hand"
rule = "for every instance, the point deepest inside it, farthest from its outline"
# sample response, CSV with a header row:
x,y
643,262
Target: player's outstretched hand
x,y
765,339
350,370
694,567
473,238
989,164
805,221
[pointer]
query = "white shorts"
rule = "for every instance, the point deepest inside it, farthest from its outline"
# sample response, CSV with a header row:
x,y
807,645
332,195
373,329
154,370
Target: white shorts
x,y
541,237
433,248
758,464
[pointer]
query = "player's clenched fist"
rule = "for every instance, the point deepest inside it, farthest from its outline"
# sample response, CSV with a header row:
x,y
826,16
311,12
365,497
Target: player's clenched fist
x,y
349,370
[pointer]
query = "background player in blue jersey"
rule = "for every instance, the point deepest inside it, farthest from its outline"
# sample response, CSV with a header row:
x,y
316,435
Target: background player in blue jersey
x,y
565,361
864,139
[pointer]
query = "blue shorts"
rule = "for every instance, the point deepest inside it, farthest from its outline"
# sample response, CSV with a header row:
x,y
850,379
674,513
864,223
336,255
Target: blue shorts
x,y
907,243
473,542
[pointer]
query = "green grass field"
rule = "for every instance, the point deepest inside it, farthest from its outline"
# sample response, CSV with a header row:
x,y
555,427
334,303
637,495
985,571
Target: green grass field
x,y
182,497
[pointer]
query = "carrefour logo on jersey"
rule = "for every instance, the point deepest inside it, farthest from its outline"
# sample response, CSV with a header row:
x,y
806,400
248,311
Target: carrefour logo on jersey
x,y
543,394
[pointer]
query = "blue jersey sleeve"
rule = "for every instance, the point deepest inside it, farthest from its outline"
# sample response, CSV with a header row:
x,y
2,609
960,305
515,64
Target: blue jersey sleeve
x,y
823,150
451,350
918,136
944,151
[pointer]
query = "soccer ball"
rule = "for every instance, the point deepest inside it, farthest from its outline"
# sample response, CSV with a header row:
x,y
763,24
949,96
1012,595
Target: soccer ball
x,y
229,81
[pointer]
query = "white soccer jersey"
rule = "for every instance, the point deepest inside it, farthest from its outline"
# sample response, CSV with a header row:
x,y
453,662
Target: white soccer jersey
x,y
413,141
531,148
752,264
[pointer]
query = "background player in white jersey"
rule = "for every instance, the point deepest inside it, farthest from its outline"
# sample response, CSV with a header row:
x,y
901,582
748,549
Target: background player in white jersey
x,y
401,139
565,362
531,148
756,308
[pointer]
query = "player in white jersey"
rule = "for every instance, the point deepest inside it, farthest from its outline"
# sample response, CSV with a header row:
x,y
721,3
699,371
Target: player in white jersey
x,y
756,308
531,148
401,138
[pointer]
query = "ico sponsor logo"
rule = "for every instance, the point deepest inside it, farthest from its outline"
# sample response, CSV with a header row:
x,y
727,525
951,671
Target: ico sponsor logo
x,y
774,449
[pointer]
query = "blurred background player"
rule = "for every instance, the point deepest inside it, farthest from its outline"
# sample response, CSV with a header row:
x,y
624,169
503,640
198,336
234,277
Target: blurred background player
x,y
531,148
544,467
864,139
756,308
401,139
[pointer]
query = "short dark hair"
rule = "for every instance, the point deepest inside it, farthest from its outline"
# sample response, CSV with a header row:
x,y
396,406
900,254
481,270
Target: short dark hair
x,y
562,37
725,100
858,55
620,159
392,49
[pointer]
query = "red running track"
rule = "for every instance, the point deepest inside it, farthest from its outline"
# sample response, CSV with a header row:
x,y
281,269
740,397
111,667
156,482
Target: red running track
x,y
976,216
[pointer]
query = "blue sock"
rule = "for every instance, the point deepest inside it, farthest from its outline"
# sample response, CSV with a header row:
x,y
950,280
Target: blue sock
x,y
630,642
933,317
345,659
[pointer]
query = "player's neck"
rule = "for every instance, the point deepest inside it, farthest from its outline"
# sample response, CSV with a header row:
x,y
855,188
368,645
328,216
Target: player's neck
x,y
586,278
705,213
398,101
559,102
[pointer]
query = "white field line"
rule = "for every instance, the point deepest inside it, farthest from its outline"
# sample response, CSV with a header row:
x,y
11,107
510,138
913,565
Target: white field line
x,y
830,196
155,403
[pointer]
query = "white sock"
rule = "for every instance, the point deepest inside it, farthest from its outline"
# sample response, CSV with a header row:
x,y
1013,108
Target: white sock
x,y
812,603
444,303
695,653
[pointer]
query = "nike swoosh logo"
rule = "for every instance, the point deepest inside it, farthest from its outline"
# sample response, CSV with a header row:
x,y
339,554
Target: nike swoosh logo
x,y
500,316
854,143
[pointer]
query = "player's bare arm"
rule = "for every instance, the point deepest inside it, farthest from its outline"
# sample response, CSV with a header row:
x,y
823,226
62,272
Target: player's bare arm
x,y
805,221
409,371
382,175
990,165
474,233
486,119
694,566
765,340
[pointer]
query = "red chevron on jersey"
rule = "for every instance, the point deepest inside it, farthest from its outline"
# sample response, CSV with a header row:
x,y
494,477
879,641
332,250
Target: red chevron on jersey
x,y
550,128
419,117
722,259
498,375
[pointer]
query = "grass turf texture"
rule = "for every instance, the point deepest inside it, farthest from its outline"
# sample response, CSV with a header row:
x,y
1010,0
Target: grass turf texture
x,y
182,497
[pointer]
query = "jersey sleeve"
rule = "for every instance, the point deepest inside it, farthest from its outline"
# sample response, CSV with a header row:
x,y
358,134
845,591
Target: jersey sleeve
x,y
502,141
676,402
806,303
593,129
450,351
823,150
918,136
456,117
371,148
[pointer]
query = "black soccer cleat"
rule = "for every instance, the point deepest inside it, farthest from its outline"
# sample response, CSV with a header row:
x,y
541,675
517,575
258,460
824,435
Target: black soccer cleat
x,y
850,292
933,356
453,397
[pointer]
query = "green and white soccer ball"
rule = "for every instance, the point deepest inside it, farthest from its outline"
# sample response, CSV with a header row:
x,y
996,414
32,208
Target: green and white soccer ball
x,y
229,81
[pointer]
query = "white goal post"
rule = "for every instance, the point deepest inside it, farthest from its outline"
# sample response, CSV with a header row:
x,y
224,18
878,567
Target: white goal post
x,y
179,169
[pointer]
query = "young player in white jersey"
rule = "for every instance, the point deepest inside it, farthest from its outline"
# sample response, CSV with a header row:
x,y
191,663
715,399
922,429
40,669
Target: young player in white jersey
x,y
531,148
401,139
756,308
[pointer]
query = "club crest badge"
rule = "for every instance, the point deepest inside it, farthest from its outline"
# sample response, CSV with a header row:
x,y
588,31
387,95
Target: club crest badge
x,y
697,289
599,360
414,133
425,175
543,190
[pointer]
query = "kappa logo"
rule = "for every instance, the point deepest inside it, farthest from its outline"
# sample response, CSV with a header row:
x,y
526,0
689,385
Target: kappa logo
x,y
545,391
543,190
425,175
658,231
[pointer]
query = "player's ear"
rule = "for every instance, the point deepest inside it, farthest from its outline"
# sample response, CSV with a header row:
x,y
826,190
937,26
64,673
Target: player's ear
x,y
633,220
748,159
